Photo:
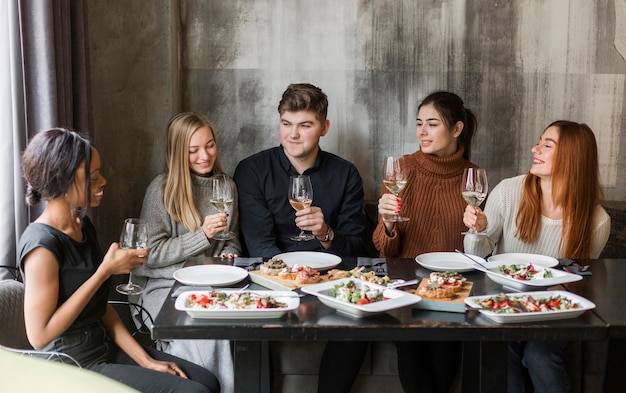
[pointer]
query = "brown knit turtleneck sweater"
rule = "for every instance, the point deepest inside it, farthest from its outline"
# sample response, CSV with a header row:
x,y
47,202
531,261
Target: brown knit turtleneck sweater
x,y
433,202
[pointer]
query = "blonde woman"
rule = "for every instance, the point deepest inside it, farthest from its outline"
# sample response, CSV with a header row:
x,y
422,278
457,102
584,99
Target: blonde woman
x,y
182,224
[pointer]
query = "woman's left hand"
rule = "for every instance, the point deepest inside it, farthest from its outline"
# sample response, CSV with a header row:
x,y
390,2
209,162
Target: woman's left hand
x,y
474,217
214,224
166,367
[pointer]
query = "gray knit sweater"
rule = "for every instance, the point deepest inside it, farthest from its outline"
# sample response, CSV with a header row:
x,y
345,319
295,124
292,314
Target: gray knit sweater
x,y
170,242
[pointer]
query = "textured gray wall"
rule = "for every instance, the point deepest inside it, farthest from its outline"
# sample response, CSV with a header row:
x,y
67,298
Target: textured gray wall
x,y
517,64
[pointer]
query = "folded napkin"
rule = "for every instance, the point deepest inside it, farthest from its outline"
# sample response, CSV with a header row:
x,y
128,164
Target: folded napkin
x,y
571,266
185,288
376,265
248,263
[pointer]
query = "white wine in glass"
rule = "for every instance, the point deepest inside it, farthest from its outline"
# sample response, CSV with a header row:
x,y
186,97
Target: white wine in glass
x,y
394,179
134,236
474,191
301,197
222,196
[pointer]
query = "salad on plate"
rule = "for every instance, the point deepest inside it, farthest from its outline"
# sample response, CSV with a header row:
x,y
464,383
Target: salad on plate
x,y
525,272
349,292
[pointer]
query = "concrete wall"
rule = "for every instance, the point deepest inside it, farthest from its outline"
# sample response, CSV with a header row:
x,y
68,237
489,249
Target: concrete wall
x,y
518,65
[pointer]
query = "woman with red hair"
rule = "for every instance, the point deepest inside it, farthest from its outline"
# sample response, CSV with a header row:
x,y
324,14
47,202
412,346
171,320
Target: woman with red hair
x,y
552,210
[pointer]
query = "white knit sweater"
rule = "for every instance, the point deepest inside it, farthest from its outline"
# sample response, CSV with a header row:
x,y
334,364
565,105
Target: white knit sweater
x,y
501,210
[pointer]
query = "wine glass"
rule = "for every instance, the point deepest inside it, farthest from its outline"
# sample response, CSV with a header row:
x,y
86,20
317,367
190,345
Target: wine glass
x,y
474,191
300,197
222,195
134,235
394,179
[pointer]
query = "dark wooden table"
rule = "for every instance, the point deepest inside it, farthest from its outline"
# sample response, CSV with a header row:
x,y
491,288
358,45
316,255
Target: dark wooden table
x,y
314,321
607,289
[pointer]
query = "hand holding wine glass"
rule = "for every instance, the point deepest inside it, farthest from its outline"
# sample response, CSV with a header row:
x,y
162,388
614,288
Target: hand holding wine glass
x,y
222,196
301,197
394,179
134,236
474,191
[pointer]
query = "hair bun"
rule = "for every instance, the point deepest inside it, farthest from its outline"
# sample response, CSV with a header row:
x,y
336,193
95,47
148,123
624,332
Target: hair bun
x,y
33,196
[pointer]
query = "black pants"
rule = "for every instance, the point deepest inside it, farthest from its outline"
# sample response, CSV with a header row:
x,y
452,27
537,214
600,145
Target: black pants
x,y
340,365
428,366
95,351
422,366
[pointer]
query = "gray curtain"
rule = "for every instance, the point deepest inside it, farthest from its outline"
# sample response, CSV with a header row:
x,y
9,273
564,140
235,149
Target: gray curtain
x,y
56,64
50,87
13,219
57,91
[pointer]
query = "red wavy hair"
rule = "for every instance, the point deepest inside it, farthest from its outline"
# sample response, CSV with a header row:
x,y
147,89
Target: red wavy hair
x,y
575,188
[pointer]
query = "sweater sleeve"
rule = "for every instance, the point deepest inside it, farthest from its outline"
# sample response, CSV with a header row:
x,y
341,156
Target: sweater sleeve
x,y
388,245
232,246
167,246
496,212
601,231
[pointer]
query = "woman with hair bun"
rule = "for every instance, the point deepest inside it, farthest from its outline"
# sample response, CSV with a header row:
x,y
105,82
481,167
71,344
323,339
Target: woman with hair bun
x,y
67,277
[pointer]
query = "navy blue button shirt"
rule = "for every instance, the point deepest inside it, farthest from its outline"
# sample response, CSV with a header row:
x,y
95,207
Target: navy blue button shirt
x,y
267,220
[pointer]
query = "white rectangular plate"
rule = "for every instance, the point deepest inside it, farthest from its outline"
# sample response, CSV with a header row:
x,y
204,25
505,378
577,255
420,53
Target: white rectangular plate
x,y
291,298
395,298
558,277
534,316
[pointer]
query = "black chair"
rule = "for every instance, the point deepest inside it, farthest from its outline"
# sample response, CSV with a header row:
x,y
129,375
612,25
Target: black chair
x,y
12,328
12,272
139,326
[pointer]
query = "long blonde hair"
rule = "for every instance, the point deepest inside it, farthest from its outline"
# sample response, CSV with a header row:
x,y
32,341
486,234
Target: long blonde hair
x,y
178,191
575,188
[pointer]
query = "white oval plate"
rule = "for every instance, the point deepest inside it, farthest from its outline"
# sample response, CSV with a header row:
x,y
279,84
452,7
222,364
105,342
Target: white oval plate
x,y
317,260
519,258
447,261
262,313
218,275
534,316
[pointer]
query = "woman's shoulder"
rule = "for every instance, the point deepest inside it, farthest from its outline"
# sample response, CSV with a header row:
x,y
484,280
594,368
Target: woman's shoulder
x,y
601,215
158,180
39,235
157,184
511,183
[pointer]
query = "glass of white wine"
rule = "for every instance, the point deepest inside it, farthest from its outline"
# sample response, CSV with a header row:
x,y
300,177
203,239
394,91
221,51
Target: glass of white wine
x,y
474,191
300,197
222,195
394,179
134,235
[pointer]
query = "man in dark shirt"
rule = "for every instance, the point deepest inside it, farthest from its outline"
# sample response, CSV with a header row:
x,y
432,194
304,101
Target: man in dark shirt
x,y
266,219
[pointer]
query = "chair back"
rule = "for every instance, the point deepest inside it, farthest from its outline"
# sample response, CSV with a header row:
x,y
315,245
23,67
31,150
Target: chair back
x,y
12,326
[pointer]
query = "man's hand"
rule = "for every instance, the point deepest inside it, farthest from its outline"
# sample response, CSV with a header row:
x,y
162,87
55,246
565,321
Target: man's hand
x,y
312,219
